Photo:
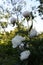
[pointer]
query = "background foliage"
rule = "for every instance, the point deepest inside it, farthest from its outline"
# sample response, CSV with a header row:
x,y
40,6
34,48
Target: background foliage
x,y
10,55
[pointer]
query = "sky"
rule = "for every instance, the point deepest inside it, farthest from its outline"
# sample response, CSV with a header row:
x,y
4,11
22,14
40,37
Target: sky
x,y
31,5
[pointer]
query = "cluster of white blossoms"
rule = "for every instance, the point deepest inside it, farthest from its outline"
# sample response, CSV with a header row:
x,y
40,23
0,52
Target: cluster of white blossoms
x,y
17,40
24,55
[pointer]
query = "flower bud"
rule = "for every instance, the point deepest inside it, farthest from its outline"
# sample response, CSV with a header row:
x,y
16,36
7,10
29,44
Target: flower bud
x,y
26,14
13,21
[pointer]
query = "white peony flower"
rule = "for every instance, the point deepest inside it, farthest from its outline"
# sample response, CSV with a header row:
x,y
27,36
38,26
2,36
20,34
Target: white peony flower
x,y
24,55
33,33
17,40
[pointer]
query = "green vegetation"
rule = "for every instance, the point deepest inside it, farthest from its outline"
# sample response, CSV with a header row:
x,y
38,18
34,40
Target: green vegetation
x,y
10,56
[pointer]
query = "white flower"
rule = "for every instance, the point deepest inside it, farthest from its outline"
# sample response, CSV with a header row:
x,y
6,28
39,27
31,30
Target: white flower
x,y
17,40
13,20
21,46
33,33
24,55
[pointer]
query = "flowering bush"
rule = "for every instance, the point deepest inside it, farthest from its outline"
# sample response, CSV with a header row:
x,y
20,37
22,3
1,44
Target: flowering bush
x,y
28,52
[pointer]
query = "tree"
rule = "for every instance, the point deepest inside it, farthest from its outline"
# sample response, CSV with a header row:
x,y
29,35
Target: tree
x,y
16,10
